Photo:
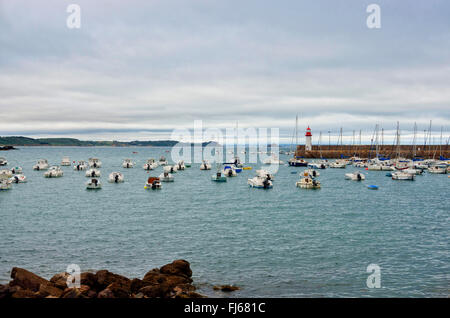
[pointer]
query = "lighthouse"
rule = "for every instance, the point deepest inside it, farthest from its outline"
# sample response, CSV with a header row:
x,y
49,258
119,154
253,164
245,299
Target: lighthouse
x,y
308,144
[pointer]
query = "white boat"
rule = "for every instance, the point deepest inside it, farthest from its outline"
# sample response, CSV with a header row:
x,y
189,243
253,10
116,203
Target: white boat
x,y
317,165
297,162
360,164
401,175
115,177
229,171
127,163
65,161
93,184
42,164
166,177
93,173
94,163
5,174
260,183
311,172
5,184
16,170
180,165
218,177
421,165
205,165
81,165
153,183
273,161
438,169
374,167
54,172
338,164
355,176
170,169
3,161
163,161
264,174
150,164
413,171
18,178
308,183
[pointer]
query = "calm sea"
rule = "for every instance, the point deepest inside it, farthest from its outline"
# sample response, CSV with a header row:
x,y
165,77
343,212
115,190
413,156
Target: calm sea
x,y
282,242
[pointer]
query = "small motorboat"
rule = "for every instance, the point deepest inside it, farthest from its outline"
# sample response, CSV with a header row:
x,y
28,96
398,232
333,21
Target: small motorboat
x,y
166,177
219,177
205,165
18,178
115,177
81,165
16,170
311,172
3,161
127,163
54,172
150,164
170,169
42,164
153,183
308,183
5,174
264,174
413,171
93,173
5,184
355,176
237,162
65,161
317,165
93,184
438,169
180,165
163,161
260,183
372,187
229,171
94,163
338,164
273,161
297,162
401,175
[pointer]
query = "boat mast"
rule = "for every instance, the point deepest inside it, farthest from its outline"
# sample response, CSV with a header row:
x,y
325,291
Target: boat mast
x,y
398,140
296,132
376,140
440,144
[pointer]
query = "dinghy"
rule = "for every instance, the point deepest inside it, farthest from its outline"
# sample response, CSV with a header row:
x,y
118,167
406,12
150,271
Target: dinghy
x,y
205,165
54,172
18,178
93,184
127,163
153,183
42,164
91,173
308,183
115,177
81,165
219,177
260,183
166,177
94,163
150,164
355,176
65,161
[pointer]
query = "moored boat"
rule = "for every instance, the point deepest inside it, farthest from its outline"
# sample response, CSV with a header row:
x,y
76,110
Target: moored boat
x,y
260,183
308,183
153,183
65,161
166,177
128,163
94,163
81,165
219,177
355,176
150,164
42,164
94,184
92,173
54,172
116,177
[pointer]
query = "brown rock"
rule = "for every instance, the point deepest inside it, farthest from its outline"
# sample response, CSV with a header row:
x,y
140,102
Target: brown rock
x,y
105,278
118,291
73,293
49,290
135,285
106,293
25,279
155,291
89,279
154,278
24,293
60,280
226,288
179,267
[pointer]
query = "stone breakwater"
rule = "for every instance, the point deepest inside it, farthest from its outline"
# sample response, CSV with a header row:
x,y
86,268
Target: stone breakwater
x,y
170,281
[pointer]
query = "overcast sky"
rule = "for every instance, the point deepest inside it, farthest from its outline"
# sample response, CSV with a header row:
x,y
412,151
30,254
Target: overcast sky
x,y
138,69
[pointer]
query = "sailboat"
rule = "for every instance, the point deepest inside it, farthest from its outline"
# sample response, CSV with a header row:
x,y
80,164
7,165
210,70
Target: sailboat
x,y
296,161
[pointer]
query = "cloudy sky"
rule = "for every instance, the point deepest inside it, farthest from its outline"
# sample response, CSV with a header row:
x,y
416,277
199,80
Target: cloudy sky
x,y
138,69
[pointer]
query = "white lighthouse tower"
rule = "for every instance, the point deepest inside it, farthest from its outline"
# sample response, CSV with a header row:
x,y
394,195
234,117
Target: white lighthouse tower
x,y
308,144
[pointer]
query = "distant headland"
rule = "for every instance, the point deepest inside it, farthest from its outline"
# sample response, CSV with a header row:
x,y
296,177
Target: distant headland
x,y
7,143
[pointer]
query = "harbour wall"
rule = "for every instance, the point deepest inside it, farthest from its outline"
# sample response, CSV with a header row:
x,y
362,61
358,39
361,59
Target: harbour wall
x,y
367,151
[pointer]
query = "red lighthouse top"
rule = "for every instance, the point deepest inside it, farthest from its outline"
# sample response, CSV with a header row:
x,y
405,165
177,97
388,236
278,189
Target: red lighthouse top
x,y
308,132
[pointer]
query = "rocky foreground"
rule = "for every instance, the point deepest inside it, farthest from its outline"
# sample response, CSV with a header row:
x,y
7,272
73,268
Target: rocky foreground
x,y
170,281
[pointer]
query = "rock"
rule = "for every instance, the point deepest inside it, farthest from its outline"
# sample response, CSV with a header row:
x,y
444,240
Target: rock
x,y
60,280
135,285
106,293
154,278
226,288
73,293
139,295
49,290
24,293
118,291
179,267
27,280
4,291
104,278
89,279
155,291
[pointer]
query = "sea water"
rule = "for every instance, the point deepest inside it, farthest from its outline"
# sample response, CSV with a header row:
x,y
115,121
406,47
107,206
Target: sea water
x,y
281,242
